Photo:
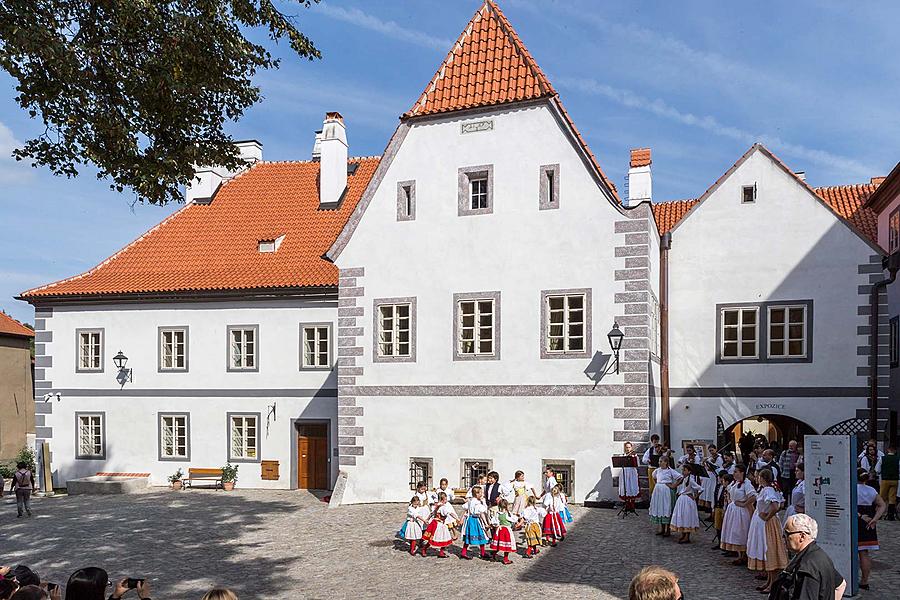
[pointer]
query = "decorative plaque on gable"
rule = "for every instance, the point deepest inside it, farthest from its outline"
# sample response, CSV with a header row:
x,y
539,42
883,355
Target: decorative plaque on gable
x,y
476,126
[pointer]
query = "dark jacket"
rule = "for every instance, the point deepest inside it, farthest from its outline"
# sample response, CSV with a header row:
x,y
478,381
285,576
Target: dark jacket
x,y
815,577
491,493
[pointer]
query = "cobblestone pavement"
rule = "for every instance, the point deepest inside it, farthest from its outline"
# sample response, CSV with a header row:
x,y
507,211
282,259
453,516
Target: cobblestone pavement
x,y
282,544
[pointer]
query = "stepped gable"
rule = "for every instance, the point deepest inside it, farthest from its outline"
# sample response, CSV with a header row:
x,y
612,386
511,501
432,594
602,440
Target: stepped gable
x,y
215,247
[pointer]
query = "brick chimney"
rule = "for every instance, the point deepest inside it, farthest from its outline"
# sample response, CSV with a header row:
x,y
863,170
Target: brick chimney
x,y
640,186
332,159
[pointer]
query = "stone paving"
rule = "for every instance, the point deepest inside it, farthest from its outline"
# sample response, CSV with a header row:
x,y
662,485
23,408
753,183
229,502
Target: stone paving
x,y
282,544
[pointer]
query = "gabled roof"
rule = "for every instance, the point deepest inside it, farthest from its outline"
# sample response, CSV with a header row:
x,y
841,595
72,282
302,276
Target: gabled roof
x,y
887,191
846,202
490,66
487,65
215,247
9,326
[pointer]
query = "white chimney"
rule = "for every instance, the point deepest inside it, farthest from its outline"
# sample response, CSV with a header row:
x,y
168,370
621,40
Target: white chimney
x,y
801,175
332,159
207,180
640,186
317,146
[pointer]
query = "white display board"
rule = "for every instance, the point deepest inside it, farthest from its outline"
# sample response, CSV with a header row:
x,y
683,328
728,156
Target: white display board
x,y
830,463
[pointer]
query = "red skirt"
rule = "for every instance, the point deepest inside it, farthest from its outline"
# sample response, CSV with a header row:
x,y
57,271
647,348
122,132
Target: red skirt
x,y
553,525
503,540
437,534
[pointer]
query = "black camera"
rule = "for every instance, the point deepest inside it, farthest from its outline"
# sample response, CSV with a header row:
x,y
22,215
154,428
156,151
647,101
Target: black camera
x,y
132,583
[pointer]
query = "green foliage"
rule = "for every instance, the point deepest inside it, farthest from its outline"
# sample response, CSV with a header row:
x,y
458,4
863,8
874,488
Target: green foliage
x,y
27,456
139,89
230,473
177,476
7,470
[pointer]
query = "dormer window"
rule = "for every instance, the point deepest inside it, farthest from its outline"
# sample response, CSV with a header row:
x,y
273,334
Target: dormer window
x,y
266,246
748,194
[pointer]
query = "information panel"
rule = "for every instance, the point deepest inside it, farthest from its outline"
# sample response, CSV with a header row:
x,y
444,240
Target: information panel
x,y
830,462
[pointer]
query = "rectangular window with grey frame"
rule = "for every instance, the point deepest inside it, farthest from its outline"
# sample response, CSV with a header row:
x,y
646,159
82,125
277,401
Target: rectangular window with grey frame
x,y
406,200
90,438
243,437
173,349
549,190
243,348
174,436
395,329
89,344
740,333
315,346
475,190
471,469
566,323
779,331
787,330
476,326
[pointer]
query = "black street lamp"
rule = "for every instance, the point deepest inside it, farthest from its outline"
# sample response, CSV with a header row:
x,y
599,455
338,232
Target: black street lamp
x,y
124,375
615,342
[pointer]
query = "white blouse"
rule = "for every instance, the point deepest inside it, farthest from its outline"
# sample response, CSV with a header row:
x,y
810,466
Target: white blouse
x,y
766,498
865,494
689,486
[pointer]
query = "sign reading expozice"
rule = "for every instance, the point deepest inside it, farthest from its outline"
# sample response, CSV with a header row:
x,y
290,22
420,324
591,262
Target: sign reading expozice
x,y
830,474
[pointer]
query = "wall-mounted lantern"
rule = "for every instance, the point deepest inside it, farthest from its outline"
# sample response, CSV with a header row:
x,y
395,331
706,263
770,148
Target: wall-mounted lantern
x,y
615,342
124,375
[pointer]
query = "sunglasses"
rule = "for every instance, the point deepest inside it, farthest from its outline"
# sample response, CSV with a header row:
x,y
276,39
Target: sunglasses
x,y
788,534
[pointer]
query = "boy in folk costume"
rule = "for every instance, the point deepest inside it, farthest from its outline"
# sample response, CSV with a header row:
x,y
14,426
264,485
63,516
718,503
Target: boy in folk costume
x,y
503,541
415,522
475,524
722,481
533,519
685,518
651,459
549,481
437,533
522,491
554,529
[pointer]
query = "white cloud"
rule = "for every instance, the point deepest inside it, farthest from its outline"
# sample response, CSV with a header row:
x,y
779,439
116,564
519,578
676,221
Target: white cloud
x,y
709,123
11,170
392,29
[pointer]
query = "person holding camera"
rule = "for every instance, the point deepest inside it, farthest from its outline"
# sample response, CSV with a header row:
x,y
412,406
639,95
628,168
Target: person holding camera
x,y
91,583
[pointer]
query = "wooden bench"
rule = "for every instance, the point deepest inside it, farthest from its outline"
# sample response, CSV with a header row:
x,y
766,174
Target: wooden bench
x,y
205,475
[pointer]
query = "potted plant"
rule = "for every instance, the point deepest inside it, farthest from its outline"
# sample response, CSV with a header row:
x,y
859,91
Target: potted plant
x,y
175,479
229,476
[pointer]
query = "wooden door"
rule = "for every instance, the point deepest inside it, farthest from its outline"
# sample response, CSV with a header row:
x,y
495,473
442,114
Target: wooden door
x,y
312,462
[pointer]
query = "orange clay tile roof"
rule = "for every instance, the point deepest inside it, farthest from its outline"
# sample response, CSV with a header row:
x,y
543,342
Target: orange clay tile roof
x,y
487,65
667,214
210,247
640,157
846,200
9,326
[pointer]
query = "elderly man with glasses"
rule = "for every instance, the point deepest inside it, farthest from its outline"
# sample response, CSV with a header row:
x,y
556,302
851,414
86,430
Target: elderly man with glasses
x,y
810,575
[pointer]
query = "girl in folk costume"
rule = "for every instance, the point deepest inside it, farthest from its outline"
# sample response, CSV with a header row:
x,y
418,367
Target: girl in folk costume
x,y
869,508
475,524
444,486
765,544
437,533
554,529
871,462
628,480
415,521
662,500
564,514
798,495
503,541
685,519
533,519
549,481
482,479
711,464
425,500
722,481
522,491
736,523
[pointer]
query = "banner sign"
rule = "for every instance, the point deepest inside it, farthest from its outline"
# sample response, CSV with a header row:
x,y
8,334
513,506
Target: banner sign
x,y
830,462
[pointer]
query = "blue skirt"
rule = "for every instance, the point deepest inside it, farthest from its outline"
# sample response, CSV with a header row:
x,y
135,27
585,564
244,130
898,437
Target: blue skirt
x,y
473,533
565,515
402,533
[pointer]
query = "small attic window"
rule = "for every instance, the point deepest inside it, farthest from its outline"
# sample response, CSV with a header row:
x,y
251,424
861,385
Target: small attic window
x,y
270,245
748,194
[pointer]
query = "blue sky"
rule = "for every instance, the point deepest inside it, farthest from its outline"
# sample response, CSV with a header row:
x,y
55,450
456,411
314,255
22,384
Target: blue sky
x,y
698,82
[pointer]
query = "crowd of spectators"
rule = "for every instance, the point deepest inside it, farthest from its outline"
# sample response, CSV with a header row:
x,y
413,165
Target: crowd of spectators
x,y
92,583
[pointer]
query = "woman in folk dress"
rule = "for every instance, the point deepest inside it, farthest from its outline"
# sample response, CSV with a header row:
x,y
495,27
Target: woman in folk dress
x,y
522,490
736,523
798,495
628,479
765,543
662,500
685,519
